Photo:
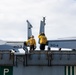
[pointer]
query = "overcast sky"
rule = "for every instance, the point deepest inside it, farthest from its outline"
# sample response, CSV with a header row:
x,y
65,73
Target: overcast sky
x,y
60,18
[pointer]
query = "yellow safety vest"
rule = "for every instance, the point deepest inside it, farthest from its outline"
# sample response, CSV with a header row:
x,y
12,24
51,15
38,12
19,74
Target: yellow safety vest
x,y
43,39
31,41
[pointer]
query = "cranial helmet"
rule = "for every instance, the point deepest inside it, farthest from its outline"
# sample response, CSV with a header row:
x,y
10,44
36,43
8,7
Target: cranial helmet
x,y
42,33
32,36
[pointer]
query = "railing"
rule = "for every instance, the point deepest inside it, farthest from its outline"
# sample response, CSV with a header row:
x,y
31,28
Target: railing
x,y
38,58
6,58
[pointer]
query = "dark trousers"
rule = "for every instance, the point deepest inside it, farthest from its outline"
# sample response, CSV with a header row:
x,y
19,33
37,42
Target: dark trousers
x,y
31,47
42,46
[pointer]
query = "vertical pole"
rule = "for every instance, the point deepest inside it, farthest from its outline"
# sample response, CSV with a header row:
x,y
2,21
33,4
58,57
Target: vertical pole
x,y
26,59
72,70
65,70
68,70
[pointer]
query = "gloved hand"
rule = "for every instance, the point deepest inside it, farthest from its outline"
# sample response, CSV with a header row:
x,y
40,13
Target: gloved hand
x,y
25,43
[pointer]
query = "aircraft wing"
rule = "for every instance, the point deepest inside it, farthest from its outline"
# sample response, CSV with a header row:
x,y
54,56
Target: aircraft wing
x,y
8,45
2,42
67,43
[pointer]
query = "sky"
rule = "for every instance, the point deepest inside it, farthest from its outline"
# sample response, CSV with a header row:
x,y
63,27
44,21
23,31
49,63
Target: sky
x,y
60,18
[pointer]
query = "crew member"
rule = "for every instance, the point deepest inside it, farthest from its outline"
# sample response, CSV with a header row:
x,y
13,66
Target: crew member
x,y
32,43
42,40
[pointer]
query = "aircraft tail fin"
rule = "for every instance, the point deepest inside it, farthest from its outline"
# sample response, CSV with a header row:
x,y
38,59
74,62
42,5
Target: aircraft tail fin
x,y
29,31
42,25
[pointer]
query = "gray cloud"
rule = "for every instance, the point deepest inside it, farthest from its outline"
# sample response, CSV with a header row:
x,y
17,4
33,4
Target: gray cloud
x,y
60,18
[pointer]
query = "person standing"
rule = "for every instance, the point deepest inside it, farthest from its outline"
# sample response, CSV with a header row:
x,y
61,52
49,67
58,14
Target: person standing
x,y
42,40
32,43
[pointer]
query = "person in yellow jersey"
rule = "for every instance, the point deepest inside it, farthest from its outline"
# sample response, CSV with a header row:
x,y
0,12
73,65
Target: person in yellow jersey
x,y
42,40
32,43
